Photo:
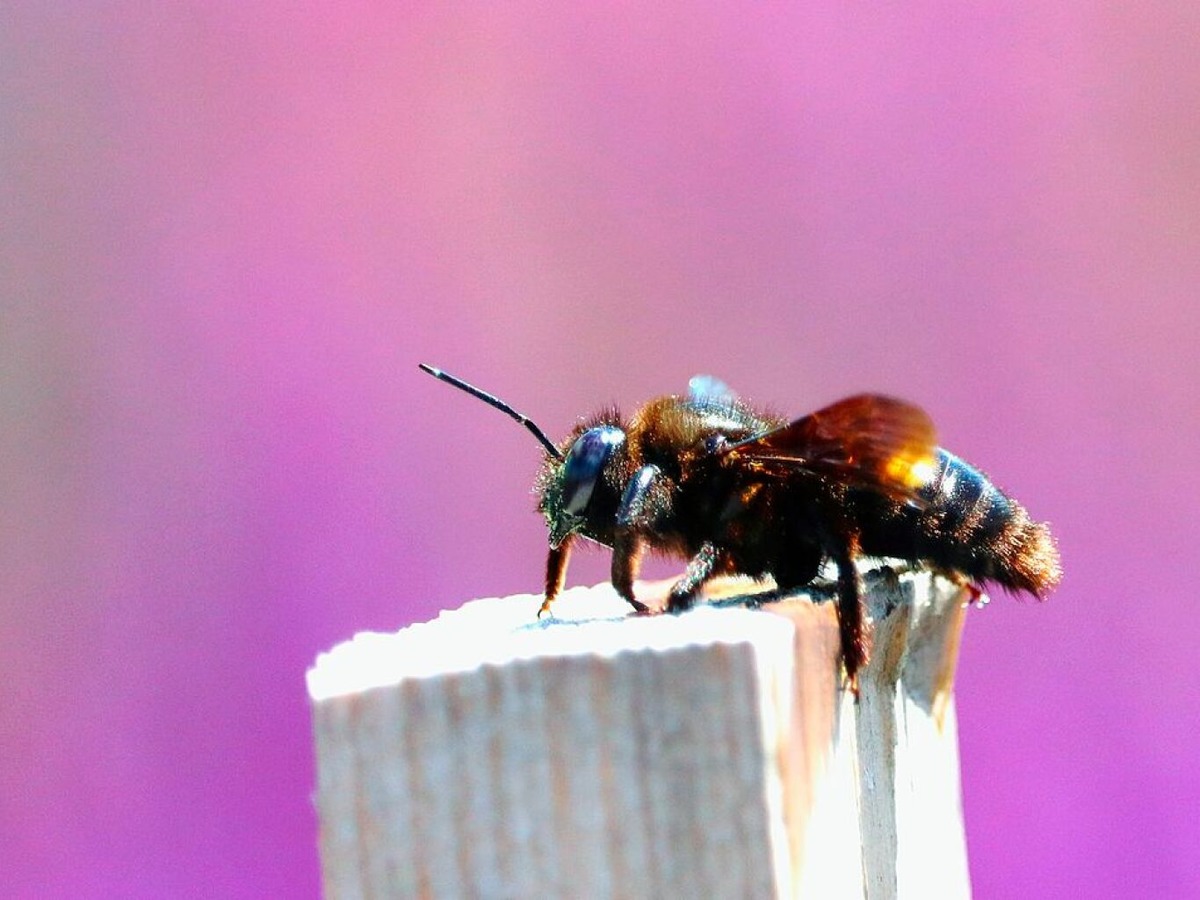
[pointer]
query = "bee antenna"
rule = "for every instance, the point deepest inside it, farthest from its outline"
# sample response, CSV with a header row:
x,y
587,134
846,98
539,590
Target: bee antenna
x,y
496,402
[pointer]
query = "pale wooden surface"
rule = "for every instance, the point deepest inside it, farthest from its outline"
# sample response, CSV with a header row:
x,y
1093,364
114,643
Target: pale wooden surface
x,y
713,754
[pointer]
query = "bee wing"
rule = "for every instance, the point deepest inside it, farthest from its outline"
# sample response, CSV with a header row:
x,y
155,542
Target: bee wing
x,y
868,440
706,390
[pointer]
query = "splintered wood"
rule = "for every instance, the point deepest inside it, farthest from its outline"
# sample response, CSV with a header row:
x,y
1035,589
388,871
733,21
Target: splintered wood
x,y
716,753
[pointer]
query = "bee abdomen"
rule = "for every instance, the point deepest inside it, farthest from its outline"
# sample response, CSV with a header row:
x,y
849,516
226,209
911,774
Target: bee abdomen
x,y
985,533
967,506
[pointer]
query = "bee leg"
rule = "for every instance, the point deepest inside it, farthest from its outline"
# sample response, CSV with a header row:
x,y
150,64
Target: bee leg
x,y
850,610
556,573
635,511
699,570
626,560
636,506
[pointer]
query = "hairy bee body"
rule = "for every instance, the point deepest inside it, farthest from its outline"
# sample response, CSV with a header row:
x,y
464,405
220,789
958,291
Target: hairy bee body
x,y
712,508
708,479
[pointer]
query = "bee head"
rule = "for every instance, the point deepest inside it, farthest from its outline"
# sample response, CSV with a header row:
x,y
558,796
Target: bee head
x,y
579,493
579,486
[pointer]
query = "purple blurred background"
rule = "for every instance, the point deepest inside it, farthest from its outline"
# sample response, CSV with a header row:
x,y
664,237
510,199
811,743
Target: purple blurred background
x,y
228,234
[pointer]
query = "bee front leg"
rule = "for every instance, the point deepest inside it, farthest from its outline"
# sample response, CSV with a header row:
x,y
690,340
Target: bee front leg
x,y
640,502
626,561
699,570
556,573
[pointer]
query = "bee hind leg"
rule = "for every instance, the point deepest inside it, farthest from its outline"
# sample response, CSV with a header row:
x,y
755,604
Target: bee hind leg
x,y
851,624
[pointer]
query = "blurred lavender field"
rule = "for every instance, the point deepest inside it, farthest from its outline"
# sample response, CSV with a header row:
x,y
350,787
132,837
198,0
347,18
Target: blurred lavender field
x,y
229,233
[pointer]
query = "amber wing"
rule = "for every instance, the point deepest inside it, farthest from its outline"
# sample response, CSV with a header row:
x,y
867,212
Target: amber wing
x,y
867,440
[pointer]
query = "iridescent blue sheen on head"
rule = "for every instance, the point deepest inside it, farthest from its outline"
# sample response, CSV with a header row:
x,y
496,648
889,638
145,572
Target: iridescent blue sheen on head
x,y
584,463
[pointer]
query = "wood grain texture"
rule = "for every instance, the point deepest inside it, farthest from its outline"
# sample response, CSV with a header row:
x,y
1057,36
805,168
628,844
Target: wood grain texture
x,y
711,754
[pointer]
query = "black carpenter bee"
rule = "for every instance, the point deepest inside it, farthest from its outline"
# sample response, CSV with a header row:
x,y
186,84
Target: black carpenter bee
x,y
705,478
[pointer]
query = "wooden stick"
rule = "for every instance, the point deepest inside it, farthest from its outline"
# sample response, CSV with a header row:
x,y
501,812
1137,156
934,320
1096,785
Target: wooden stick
x,y
711,754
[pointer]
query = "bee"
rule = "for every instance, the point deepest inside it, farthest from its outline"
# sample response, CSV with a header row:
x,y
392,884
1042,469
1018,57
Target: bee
x,y
708,479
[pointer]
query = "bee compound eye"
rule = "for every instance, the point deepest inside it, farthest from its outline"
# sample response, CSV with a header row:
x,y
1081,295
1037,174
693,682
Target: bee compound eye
x,y
584,463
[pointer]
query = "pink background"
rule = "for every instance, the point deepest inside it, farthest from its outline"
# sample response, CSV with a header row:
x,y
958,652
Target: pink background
x,y
228,234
